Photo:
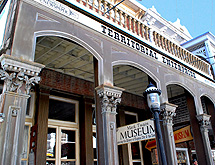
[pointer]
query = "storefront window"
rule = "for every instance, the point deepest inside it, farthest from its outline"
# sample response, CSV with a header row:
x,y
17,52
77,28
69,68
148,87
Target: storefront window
x,y
67,144
60,110
61,146
134,149
51,143
182,156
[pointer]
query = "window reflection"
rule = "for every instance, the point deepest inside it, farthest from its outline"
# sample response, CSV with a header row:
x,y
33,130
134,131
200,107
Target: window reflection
x,y
51,143
94,146
135,150
25,142
60,110
67,144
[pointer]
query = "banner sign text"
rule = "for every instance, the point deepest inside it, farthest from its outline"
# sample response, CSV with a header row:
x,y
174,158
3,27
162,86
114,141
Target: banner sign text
x,y
136,132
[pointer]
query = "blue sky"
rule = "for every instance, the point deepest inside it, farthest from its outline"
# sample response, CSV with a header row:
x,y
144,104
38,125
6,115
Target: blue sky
x,y
196,15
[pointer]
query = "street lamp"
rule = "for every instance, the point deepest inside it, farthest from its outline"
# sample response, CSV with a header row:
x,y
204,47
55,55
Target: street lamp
x,y
152,94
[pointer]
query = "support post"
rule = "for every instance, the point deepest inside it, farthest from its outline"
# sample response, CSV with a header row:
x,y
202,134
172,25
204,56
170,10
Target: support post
x,y
168,111
109,98
204,122
42,125
19,76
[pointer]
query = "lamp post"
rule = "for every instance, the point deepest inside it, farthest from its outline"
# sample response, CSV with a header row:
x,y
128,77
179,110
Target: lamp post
x,y
152,94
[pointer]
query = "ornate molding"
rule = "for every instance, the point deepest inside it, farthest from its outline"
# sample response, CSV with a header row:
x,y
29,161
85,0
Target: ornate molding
x,y
168,112
16,82
19,75
163,29
204,120
14,64
111,96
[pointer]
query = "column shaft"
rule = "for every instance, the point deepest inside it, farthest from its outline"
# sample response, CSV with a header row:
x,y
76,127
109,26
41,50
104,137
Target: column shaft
x,y
168,111
18,78
204,123
12,129
109,97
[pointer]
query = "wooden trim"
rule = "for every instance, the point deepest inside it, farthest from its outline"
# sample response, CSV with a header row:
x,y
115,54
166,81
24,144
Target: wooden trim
x,y
42,122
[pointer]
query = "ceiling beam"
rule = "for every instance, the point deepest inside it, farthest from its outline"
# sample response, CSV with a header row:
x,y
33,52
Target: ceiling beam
x,y
52,47
57,55
72,59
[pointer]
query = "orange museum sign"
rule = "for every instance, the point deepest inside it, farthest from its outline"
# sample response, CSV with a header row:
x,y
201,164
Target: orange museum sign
x,y
181,135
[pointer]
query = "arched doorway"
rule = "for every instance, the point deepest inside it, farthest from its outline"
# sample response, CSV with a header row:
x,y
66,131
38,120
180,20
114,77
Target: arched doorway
x,y
187,134
132,109
63,114
208,108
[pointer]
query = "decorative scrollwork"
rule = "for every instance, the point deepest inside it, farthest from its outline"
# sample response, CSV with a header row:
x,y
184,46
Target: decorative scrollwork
x,y
168,116
168,112
110,98
15,82
31,82
204,120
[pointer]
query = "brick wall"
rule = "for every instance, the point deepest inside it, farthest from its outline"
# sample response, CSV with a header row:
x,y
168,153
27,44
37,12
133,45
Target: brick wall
x,y
63,82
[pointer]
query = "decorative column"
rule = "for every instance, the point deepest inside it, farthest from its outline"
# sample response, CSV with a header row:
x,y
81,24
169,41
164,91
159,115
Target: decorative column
x,y
138,28
142,30
129,23
115,14
147,32
162,42
99,7
110,12
18,75
204,122
105,8
109,98
134,25
168,111
159,40
120,17
155,38
151,38
126,20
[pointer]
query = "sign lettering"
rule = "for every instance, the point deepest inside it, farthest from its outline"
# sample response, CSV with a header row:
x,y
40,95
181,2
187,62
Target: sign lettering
x,y
136,132
181,135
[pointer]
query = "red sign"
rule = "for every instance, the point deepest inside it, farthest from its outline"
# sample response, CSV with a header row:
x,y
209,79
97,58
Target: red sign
x,y
181,135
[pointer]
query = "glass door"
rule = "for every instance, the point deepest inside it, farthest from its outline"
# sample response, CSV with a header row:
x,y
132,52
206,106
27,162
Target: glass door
x,y
134,149
68,147
51,146
62,146
63,127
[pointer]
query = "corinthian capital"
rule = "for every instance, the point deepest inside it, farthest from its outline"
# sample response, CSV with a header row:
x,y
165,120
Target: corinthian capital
x,y
111,96
19,75
204,120
168,112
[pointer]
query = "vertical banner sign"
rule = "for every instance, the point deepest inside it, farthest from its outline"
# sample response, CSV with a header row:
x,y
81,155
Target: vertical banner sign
x,y
136,132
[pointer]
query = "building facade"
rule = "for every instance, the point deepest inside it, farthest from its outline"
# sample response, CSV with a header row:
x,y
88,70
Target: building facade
x,y
73,73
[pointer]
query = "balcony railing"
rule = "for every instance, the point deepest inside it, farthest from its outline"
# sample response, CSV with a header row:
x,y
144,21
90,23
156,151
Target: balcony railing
x,y
139,28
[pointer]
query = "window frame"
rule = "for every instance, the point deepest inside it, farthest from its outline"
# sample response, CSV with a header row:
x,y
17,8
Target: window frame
x,y
65,125
29,124
131,160
67,101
